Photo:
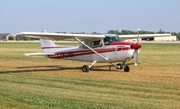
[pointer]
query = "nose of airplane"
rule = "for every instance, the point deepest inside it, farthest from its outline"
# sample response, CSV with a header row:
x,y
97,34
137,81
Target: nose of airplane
x,y
136,46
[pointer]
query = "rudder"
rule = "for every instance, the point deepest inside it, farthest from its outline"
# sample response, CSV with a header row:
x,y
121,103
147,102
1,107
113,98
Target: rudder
x,y
47,45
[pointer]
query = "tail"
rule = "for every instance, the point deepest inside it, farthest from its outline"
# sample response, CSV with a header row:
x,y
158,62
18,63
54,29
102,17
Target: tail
x,y
47,45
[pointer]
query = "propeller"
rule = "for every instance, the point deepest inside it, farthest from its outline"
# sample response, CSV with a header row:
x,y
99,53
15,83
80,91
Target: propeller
x,y
135,57
136,47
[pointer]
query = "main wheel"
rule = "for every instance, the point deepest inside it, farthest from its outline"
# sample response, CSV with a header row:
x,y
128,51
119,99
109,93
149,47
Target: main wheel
x,y
85,68
126,68
119,66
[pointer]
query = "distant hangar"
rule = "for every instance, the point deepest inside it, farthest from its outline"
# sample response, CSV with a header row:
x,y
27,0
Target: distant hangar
x,y
169,38
165,38
5,36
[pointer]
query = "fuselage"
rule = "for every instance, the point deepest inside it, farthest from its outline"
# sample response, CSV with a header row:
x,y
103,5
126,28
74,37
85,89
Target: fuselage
x,y
115,51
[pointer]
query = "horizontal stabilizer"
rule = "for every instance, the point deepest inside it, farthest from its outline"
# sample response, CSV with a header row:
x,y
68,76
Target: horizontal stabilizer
x,y
39,54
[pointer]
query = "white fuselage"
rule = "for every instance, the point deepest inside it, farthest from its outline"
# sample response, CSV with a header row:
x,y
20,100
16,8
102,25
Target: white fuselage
x,y
113,53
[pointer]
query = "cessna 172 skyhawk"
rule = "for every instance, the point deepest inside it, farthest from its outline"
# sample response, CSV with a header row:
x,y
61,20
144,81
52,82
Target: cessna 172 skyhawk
x,y
93,48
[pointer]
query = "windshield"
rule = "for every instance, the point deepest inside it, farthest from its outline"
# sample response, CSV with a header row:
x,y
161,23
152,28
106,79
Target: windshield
x,y
110,39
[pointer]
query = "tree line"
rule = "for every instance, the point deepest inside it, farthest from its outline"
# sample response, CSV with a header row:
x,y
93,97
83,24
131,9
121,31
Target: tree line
x,y
123,32
127,32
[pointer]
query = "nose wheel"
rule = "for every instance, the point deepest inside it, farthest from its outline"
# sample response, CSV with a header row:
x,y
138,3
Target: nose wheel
x,y
126,68
121,66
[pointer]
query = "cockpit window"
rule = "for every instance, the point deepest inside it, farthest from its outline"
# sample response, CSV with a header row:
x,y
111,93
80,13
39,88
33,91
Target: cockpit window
x,y
93,44
109,39
99,43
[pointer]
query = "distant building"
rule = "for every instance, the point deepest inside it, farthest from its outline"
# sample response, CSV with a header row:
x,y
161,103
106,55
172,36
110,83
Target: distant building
x,y
169,38
165,38
5,36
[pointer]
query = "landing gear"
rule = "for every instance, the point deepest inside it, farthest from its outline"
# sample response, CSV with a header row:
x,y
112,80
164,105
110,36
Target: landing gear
x,y
123,65
119,66
126,68
85,68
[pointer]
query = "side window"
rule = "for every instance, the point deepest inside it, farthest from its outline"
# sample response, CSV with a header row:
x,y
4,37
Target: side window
x,y
106,40
87,43
96,44
92,44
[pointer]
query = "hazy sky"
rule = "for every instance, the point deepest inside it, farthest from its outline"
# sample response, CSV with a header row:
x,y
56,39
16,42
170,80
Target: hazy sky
x,y
89,15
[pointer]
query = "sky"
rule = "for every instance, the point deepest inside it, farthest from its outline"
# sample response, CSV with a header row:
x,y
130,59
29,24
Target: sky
x,y
89,15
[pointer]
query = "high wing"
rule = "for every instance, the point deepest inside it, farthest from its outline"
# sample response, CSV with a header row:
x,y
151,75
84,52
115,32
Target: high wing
x,y
83,37
125,37
60,36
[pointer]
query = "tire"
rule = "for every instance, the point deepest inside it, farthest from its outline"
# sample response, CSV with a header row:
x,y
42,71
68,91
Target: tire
x,y
119,66
85,68
126,68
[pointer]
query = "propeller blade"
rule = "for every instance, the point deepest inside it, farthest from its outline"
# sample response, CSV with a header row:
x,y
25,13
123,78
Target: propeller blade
x,y
135,57
135,54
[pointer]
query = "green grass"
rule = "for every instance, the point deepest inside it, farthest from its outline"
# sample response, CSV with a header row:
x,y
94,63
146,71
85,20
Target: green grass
x,y
38,82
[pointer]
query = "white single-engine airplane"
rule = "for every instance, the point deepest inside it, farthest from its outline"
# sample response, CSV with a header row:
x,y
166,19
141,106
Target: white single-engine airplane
x,y
93,48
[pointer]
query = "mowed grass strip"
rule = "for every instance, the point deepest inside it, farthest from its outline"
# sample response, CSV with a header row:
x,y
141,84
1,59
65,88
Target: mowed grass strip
x,y
38,82
105,93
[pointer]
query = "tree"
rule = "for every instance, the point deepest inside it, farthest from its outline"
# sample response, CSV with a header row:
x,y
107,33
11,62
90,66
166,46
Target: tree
x,y
178,36
10,38
125,32
161,31
113,32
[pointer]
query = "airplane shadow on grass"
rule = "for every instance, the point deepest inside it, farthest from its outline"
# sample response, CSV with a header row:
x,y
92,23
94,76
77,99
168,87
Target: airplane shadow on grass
x,y
28,69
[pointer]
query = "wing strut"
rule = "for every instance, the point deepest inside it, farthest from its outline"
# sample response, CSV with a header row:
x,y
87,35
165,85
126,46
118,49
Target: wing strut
x,y
91,49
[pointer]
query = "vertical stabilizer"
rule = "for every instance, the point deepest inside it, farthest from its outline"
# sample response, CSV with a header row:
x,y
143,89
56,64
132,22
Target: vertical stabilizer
x,y
47,45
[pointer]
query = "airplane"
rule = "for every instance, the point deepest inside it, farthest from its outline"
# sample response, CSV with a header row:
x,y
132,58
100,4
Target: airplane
x,y
106,48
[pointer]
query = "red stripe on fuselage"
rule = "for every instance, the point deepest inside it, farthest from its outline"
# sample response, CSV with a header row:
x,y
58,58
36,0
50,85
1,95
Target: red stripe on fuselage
x,y
61,55
122,43
53,47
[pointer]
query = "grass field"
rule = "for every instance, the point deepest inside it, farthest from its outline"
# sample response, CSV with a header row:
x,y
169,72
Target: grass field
x,y
38,82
